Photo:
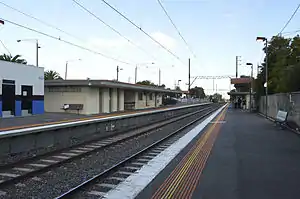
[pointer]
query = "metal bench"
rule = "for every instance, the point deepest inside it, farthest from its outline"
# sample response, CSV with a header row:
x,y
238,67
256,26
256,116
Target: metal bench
x,y
281,118
73,107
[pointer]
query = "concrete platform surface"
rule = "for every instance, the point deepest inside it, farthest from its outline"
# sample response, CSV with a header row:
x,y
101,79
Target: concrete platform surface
x,y
238,156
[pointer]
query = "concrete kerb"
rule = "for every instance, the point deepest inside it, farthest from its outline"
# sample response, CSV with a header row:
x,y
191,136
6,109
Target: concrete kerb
x,y
51,139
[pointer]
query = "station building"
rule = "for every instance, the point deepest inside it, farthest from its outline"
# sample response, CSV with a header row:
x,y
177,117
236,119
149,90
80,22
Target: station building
x,y
100,96
21,89
242,90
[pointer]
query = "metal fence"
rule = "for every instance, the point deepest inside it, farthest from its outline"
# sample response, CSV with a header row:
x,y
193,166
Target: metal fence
x,y
289,102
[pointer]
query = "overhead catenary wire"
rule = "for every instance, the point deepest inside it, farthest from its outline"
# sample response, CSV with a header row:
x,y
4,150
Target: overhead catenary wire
x,y
147,34
64,41
287,23
110,27
5,47
179,33
41,21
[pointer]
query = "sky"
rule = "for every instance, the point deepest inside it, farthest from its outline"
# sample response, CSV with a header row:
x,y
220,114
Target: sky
x,y
216,30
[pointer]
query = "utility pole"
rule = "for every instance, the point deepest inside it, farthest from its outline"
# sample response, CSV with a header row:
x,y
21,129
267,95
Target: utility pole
x,y
266,40
189,76
159,77
135,74
236,66
37,53
118,70
117,73
66,70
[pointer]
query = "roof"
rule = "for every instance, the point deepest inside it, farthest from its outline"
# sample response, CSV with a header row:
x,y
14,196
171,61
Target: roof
x,y
107,84
243,80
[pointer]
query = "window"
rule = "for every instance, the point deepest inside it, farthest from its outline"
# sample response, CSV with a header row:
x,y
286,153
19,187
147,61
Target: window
x,y
151,96
140,96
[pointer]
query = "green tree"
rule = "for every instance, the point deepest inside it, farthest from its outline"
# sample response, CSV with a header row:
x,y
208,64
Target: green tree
x,y
15,59
146,82
197,92
283,66
51,75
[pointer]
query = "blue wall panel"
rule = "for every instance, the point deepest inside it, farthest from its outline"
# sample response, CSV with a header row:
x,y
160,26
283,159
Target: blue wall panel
x,y
0,108
18,106
37,107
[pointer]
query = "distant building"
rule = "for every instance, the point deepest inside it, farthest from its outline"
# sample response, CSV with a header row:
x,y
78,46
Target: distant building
x,y
21,89
100,96
242,90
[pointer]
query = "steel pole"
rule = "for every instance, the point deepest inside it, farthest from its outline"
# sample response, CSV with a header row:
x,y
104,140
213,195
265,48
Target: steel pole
x,y
66,70
135,74
266,78
37,53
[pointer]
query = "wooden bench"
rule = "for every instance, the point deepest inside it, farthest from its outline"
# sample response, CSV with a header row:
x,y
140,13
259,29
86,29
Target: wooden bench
x,y
73,107
281,118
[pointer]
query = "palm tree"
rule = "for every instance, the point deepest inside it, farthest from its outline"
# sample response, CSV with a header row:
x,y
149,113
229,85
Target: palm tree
x,y
51,75
15,59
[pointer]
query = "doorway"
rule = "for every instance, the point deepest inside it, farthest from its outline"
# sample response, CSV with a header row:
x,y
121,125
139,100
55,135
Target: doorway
x,y
8,97
26,98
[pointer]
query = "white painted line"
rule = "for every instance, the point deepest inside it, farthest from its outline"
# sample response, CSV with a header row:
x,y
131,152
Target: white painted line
x,y
125,172
61,157
38,165
135,183
96,193
23,169
107,185
12,175
49,161
77,151
69,154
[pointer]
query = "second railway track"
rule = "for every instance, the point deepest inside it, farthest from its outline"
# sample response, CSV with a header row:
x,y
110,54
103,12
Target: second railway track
x,y
38,167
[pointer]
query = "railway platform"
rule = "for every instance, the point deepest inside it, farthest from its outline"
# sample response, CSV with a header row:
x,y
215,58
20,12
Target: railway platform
x,y
45,119
238,155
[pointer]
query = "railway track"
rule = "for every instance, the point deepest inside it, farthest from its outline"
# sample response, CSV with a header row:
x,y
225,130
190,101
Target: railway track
x,y
39,165
100,184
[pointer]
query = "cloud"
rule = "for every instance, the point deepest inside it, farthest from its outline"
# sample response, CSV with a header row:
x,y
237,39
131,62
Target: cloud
x,y
164,39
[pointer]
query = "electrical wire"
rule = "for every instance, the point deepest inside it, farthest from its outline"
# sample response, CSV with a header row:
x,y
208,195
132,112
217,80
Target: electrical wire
x,y
166,13
5,47
110,27
67,42
289,20
41,21
147,34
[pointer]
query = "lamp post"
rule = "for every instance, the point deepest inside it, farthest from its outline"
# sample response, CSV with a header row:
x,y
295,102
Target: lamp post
x,y
264,39
66,70
136,67
37,48
118,70
250,89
